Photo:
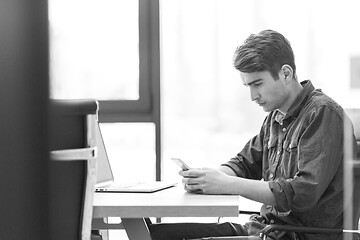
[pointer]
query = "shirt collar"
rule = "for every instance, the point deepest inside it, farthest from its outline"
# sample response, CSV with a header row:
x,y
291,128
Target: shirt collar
x,y
299,102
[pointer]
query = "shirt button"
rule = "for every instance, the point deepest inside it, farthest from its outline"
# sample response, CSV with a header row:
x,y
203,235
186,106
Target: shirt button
x,y
284,129
271,176
272,221
278,152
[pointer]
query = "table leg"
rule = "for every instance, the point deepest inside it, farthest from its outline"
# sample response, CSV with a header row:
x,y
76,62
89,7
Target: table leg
x,y
136,228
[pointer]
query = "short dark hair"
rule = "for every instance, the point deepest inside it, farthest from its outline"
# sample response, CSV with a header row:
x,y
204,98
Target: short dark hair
x,y
266,51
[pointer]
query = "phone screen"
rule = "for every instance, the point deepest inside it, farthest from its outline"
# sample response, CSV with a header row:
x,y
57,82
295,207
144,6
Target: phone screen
x,y
181,163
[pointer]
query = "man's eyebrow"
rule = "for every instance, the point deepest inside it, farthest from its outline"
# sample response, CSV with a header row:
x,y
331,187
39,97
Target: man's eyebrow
x,y
255,81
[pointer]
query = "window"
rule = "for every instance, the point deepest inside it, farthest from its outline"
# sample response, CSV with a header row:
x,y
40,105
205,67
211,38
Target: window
x,y
94,49
109,51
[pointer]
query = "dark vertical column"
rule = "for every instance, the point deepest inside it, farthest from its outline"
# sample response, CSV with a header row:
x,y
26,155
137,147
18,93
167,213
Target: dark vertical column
x,y
154,59
24,83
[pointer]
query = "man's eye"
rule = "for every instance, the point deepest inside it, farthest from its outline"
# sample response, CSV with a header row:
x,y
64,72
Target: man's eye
x,y
257,84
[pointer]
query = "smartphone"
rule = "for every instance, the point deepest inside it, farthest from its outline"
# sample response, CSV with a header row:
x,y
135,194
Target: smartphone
x,y
181,163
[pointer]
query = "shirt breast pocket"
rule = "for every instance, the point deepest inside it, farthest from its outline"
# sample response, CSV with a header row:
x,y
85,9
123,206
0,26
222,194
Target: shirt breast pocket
x,y
272,148
290,145
270,159
290,157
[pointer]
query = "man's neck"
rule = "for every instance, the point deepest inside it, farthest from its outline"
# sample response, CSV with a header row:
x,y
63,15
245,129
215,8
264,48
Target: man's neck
x,y
295,90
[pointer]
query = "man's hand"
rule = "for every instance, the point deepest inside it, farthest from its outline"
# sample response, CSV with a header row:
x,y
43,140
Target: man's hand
x,y
207,181
224,181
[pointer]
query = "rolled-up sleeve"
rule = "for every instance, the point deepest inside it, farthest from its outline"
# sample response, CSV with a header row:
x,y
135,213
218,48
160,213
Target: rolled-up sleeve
x,y
319,156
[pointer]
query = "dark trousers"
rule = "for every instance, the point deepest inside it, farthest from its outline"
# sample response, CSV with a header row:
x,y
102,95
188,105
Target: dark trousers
x,y
180,231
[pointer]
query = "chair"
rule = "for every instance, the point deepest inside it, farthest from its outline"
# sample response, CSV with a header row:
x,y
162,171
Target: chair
x,y
353,166
72,173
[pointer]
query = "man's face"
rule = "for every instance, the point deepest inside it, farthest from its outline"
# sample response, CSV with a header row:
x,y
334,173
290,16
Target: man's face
x,y
269,93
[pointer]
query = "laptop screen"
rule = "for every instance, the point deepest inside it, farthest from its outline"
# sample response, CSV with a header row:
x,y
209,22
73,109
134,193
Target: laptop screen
x,y
104,172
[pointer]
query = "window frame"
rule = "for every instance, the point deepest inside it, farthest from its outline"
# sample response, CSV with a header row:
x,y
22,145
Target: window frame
x,y
147,107
149,72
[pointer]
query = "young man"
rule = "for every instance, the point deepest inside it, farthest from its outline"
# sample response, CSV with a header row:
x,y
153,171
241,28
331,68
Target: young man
x,y
294,165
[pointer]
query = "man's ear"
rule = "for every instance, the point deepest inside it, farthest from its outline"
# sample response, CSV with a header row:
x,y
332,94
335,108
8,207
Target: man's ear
x,y
287,72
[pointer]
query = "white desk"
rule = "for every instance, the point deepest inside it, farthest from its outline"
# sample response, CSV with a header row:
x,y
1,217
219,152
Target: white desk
x,y
172,202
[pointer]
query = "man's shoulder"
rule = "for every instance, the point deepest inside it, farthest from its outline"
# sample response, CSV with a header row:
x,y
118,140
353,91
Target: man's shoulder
x,y
319,101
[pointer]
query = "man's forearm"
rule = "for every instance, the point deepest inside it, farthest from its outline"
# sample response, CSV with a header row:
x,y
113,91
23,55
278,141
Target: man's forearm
x,y
252,189
227,170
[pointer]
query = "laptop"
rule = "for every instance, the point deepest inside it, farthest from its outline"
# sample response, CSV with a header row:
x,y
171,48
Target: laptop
x,y
105,178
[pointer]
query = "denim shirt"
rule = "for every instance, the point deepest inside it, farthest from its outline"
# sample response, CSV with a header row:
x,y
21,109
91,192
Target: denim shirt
x,y
300,155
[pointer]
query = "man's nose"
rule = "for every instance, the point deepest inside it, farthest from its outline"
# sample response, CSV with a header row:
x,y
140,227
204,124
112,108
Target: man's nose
x,y
254,95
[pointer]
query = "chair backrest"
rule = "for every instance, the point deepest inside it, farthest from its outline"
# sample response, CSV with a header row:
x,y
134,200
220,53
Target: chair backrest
x,y
72,173
354,115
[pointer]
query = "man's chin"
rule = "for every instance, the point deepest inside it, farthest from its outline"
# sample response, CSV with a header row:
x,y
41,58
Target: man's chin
x,y
267,108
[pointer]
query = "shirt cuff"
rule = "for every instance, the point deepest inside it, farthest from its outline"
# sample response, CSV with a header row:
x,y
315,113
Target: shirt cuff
x,y
238,171
283,194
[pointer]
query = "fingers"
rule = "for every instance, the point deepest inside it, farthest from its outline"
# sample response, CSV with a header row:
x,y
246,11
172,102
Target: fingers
x,y
192,188
186,187
191,173
193,177
192,180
